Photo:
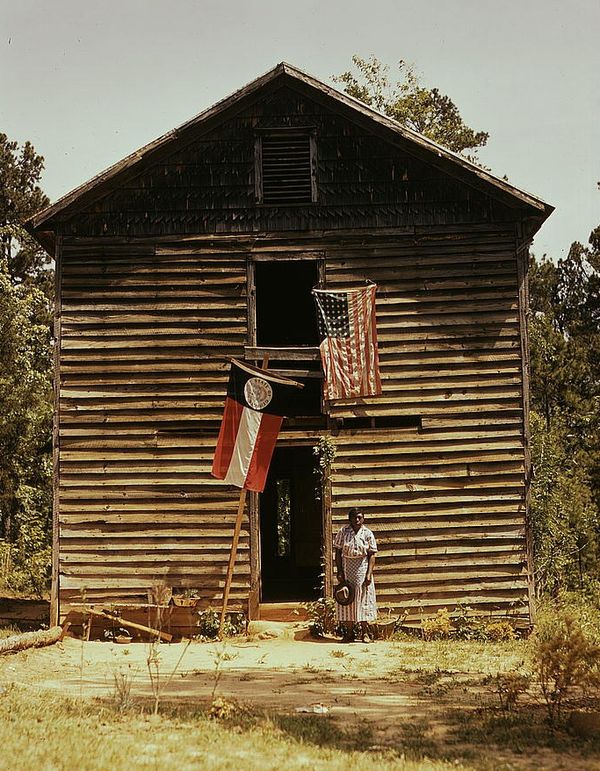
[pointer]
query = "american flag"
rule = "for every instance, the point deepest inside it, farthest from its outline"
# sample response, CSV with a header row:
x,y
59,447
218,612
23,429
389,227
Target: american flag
x,y
349,342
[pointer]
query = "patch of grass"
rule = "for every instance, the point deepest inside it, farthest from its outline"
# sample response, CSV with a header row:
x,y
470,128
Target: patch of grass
x,y
8,631
460,655
47,731
416,740
313,729
523,730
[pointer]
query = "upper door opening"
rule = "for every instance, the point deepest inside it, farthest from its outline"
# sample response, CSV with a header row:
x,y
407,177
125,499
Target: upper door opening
x,y
285,309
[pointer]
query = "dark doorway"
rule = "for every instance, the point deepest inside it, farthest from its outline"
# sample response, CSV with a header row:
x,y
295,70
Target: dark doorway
x,y
285,309
290,528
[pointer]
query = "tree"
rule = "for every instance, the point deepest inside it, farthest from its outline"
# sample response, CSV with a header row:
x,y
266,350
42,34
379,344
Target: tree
x,y
421,109
20,197
26,281
25,431
565,420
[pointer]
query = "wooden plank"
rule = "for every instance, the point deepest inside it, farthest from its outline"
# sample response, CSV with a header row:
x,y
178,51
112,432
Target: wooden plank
x,y
56,448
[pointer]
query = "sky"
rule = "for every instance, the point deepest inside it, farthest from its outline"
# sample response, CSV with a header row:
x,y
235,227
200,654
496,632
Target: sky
x,y
90,82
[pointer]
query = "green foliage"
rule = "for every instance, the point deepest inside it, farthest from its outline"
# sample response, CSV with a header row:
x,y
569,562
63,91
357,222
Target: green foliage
x,y
321,615
21,197
421,109
208,624
564,333
509,686
563,513
500,631
437,627
25,374
565,651
325,450
25,432
464,624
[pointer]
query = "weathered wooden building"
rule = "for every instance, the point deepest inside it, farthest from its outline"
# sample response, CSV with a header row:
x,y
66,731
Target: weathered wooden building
x,y
204,245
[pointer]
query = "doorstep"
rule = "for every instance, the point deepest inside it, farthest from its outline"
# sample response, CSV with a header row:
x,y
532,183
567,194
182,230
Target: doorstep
x,y
282,611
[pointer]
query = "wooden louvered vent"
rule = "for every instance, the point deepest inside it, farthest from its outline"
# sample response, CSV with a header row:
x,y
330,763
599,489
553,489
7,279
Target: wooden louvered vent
x,y
286,169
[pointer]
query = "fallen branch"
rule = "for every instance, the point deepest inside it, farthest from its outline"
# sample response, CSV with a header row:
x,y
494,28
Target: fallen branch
x,y
129,624
20,642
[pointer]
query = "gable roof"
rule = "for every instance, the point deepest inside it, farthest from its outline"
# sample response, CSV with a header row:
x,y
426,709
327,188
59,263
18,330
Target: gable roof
x,y
286,74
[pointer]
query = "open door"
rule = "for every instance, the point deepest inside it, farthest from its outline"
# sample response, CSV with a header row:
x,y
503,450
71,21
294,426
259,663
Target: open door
x,y
290,528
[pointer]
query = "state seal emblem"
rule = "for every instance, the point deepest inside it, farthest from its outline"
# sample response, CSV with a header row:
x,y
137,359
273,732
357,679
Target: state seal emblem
x,y
258,393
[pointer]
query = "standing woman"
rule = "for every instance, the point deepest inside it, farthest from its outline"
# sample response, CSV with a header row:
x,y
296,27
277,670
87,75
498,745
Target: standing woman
x,y
355,550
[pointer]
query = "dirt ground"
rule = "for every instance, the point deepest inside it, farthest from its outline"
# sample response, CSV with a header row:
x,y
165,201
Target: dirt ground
x,y
382,686
276,673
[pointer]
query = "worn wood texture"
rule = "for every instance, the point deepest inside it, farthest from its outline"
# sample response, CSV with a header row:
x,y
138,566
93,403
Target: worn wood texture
x,y
21,642
155,284
364,180
146,332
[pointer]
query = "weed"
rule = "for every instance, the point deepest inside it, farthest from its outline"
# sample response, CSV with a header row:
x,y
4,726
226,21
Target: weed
x,y
500,631
161,595
508,687
310,668
338,654
220,655
565,655
464,624
209,620
221,709
122,690
154,672
321,615
438,627
9,631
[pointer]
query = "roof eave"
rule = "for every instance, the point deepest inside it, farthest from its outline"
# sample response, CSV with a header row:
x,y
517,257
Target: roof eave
x,y
470,172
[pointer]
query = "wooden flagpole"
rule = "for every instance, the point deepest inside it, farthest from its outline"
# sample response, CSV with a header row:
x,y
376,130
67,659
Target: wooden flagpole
x,y
232,554
236,538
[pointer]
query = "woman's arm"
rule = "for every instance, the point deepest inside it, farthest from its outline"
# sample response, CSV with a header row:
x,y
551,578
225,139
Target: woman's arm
x,y
370,566
339,565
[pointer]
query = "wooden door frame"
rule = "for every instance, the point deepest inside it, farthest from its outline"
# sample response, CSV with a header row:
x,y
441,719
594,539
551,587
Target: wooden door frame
x,y
254,598
302,253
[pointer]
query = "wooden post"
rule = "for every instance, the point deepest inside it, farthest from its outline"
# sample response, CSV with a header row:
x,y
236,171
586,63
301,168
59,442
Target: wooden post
x,y
236,538
232,555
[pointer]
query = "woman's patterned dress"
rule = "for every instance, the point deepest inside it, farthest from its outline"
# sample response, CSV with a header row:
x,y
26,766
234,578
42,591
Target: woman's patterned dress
x,y
355,548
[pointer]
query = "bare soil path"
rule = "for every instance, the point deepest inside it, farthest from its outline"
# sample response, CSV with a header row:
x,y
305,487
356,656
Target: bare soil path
x,y
401,694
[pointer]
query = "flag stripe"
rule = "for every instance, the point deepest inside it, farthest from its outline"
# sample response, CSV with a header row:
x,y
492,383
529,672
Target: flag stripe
x,y
241,456
227,437
258,468
349,348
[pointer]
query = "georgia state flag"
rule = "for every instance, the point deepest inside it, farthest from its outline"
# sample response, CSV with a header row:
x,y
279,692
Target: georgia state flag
x,y
256,403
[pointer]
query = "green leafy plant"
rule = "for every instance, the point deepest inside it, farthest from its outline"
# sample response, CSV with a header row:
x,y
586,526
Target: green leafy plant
x,y
500,631
321,615
326,451
425,110
208,624
437,627
122,690
466,625
509,687
566,655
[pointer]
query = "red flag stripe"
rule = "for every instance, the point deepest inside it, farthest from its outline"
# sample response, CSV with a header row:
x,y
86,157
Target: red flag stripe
x,y
258,468
227,437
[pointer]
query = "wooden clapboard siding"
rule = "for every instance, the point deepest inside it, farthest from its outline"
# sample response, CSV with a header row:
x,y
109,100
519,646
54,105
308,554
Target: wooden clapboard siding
x,y
152,263
144,366
145,341
447,500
